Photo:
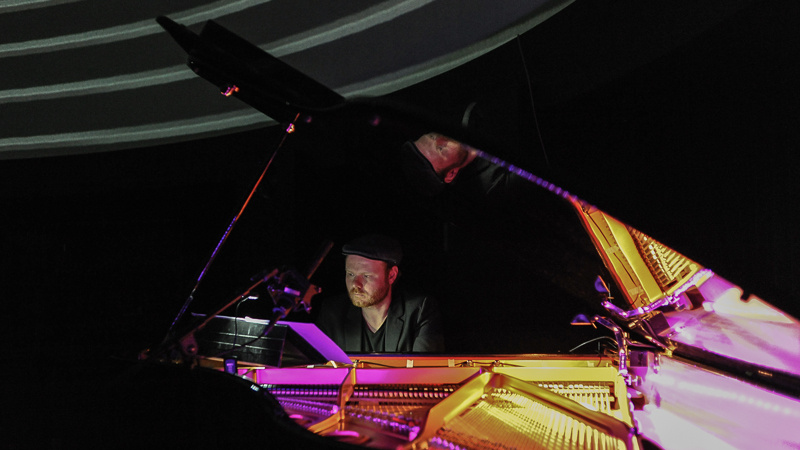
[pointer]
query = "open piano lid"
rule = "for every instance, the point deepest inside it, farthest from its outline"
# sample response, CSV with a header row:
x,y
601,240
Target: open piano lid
x,y
692,311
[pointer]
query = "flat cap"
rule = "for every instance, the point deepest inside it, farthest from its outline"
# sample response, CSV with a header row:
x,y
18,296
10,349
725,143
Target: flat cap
x,y
375,246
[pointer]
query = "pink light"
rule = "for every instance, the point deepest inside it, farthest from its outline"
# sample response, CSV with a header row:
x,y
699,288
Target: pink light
x,y
230,90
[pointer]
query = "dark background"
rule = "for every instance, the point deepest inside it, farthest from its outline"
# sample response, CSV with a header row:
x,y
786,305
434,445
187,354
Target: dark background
x,y
694,144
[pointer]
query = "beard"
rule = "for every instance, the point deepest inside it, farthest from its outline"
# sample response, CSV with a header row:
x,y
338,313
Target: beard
x,y
363,299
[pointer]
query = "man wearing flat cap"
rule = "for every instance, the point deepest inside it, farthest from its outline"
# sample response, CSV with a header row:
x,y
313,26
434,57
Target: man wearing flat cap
x,y
376,316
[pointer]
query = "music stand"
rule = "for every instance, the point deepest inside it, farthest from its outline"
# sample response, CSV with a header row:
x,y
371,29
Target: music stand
x,y
288,344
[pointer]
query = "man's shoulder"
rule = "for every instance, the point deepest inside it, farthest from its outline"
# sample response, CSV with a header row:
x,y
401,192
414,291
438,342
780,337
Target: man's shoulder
x,y
413,298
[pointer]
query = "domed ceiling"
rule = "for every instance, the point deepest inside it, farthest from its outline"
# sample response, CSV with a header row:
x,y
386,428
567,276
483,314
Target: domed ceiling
x,y
86,76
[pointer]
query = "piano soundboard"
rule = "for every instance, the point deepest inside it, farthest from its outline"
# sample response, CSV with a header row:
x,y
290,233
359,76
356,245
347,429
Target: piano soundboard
x,y
486,402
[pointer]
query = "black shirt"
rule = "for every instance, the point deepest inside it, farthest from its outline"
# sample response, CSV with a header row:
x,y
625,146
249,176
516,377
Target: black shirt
x,y
373,342
414,324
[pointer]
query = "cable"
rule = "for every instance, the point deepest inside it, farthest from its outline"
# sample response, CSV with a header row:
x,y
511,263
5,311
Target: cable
x,y
593,340
533,106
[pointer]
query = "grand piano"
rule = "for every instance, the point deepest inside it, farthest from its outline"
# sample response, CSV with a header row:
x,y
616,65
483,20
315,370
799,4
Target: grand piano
x,y
567,328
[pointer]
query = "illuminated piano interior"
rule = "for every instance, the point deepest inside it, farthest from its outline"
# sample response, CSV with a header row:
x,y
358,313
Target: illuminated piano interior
x,y
609,400
522,401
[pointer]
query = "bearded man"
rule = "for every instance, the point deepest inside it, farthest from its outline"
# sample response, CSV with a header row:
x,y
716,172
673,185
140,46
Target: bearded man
x,y
375,316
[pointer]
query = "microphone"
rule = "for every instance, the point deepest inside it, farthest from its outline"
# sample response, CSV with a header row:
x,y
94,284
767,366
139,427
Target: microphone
x,y
293,290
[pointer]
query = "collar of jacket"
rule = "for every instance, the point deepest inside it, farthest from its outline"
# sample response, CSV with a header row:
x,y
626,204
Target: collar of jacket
x,y
394,324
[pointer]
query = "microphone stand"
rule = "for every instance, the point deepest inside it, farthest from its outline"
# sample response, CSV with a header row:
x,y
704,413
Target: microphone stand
x,y
289,299
289,290
188,343
168,339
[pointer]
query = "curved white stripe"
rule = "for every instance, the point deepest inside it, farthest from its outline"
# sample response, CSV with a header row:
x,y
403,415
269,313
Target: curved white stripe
x,y
189,127
9,6
98,85
346,26
380,13
123,32
387,83
341,28
242,119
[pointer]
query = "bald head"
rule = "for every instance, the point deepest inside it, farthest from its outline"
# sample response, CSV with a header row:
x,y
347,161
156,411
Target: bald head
x,y
447,156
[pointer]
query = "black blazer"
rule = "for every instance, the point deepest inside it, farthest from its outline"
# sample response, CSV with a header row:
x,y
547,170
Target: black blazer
x,y
414,324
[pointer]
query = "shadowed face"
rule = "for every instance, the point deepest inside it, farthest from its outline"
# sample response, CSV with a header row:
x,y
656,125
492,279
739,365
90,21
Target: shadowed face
x,y
447,156
369,282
